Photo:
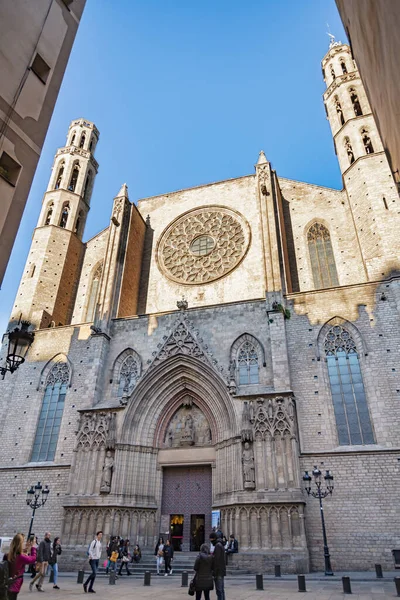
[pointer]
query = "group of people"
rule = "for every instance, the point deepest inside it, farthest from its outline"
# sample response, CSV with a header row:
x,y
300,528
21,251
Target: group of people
x,y
210,565
164,553
119,549
39,557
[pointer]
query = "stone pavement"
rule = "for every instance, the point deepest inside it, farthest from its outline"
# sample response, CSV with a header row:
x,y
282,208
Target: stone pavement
x,y
168,588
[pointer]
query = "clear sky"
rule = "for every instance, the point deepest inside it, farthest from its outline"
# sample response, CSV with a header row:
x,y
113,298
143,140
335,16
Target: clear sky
x,y
188,92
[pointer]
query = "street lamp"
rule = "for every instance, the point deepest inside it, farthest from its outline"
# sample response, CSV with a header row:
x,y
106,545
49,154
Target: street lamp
x,y
321,493
19,342
36,496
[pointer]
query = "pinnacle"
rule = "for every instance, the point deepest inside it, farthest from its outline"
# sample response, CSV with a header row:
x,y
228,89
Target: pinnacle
x,y
262,159
123,192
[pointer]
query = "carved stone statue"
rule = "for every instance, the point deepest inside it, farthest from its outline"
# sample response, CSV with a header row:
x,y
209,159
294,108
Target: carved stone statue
x,y
188,431
248,467
105,485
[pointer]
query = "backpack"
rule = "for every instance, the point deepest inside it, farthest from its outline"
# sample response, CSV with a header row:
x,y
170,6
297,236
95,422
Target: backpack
x,y
87,552
4,579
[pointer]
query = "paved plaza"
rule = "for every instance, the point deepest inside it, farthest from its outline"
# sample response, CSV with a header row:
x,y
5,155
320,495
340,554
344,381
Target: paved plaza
x,y
364,587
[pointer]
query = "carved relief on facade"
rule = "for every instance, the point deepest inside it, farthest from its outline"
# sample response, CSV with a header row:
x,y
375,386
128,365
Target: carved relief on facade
x,y
96,430
248,466
203,245
274,417
188,427
108,467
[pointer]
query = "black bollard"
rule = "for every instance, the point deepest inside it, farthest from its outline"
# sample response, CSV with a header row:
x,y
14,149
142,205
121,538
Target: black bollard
x,y
378,571
147,578
259,582
397,584
277,570
346,585
111,577
185,579
81,576
301,579
51,578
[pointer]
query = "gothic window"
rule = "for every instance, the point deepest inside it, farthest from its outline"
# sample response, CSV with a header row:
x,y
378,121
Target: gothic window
x,y
83,138
128,376
321,256
247,362
339,110
59,176
91,145
348,395
343,65
349,150
49,213
64,215
48,428
73,138
355,101
87,185
333,73
94,293
78,222
74,178
369,149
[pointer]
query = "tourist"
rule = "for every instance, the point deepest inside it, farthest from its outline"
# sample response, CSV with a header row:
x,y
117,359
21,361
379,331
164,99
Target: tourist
x,y
94,557
203,581
219,568
137,554
53,561
159,554
18,556
168,558
44,555
125,557
233,546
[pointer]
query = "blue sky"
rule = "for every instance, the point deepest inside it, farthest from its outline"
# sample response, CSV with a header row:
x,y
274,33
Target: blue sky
x,y
186,93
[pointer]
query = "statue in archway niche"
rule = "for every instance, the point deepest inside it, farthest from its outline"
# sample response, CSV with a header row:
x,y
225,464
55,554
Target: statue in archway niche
x,y
108,467
248,467
188,427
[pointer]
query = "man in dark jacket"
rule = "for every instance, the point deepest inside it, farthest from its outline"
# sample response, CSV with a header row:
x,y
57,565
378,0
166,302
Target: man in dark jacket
x,y
219,567
44,555
168,557
233,546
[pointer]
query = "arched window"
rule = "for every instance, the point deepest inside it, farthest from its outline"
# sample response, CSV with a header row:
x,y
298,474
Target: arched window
x,y
49,213
339,110
355,101
94,293
349,149
369,149
73,138
321,256
59,176
333,72
74,178
48,428
78,222
91,145
348,395
64,215
128,376
87,185
343,65
247,364
83,138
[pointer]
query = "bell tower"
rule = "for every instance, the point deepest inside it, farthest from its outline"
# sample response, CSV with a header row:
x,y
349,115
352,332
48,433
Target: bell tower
x,y
48,286
371,190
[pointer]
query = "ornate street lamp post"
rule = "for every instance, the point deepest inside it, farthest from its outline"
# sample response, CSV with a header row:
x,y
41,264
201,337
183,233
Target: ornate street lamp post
x,y
321,493
19,342
36,496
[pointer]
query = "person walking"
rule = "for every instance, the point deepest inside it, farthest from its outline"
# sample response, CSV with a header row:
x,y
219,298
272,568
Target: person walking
x,y
94,557
19,555
44,555
219,568
53,561
203,580
168,558
125,557
159,554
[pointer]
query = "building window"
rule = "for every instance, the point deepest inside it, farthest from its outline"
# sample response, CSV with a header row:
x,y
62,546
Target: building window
x,y
355,101
83,138
369,149
321,256
87,185
349,150
94,293
48,429
129,374
202,245
9,168
64,215
247,364
339,110
59,176
40,68
78,222
343,65
49,214
348,395
73,139
74,178
333,73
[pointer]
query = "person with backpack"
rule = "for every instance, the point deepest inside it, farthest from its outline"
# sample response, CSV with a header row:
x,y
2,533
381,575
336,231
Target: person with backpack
x,y
94,557
13,566
53,561
44,555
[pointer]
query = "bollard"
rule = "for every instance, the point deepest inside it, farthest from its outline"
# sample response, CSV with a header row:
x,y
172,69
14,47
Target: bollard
x,y
51,578
259,582
185,579
301,579
81,576
147,578
378,571
346,585
397,584
277,570
111,577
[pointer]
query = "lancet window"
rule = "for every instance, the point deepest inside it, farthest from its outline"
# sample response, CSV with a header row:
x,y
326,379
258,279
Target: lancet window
x,y
73,138
343,65
323,264
83,138
333,72
247,362
128,375
339,110
94,293
349,149
369,149
348,395
355,101
64,215
74,178
48,428
49,213
87,185
78,222
59,176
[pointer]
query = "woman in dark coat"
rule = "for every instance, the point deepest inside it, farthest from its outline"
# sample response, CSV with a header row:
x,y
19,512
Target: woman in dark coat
x,y
204,578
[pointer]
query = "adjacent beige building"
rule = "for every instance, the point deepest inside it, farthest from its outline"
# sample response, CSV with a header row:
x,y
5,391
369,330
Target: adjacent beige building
x,y
208,347
35,43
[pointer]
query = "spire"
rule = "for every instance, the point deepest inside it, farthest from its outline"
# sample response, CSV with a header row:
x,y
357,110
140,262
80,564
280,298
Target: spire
x,y
123,192
262,159
333,41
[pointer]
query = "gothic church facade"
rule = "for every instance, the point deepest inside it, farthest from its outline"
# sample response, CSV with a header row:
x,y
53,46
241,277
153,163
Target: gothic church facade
x,y
208,347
